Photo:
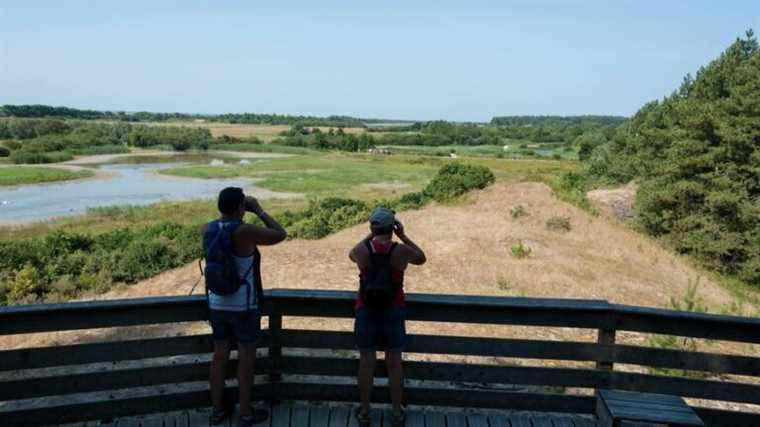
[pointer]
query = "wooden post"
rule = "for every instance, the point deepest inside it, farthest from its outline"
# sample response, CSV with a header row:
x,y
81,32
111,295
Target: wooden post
x,y
605,337
275,351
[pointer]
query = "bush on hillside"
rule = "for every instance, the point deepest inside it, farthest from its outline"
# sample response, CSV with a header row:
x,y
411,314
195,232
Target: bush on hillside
x,y
4,152
31,269
696,155
326,216
455,179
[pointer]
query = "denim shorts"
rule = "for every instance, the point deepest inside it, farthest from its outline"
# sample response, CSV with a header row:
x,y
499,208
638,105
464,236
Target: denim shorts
x,y
380,330
233,326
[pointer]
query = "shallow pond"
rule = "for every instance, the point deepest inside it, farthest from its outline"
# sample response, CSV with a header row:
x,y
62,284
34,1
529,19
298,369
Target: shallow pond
x,y
126,184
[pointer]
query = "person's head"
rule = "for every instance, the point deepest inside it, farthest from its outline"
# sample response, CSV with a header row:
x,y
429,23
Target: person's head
x,y
381,221
232,202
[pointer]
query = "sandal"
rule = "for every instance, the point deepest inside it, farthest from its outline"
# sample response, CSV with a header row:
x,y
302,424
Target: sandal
x,y
258,416
218,416
362,418
398,419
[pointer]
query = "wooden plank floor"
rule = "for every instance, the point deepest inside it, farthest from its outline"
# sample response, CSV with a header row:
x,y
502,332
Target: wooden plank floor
x,y
302,415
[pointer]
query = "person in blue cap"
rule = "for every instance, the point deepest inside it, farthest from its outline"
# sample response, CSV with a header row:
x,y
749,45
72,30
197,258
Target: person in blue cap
x,y
380,310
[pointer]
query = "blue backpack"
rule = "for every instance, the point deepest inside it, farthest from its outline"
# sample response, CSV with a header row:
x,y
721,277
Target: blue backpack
x,y
221,273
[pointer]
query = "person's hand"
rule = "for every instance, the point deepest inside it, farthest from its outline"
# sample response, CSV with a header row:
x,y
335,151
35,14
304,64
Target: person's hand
x,y
252,205
398,228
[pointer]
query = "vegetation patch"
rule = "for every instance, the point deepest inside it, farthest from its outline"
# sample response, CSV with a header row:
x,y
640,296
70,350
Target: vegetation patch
x,y
518,211
61,264
15,175
692,302
696,158
559,223
520,250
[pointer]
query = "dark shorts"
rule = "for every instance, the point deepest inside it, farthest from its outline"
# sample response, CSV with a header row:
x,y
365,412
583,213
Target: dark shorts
x,y
240,327
377,330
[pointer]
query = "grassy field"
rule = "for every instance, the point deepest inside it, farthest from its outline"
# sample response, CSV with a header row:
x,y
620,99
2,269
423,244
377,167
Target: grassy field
x,y
354,175
358,176
317,175
263,132
263,148
15,175
513,150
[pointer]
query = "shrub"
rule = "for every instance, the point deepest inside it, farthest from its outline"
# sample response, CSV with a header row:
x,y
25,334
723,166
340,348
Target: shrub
x,y
572,187
26,157
142,259
519,250
559,223
455,179
100,149
12,145
410,201
24,286
4,152
325,216
518,212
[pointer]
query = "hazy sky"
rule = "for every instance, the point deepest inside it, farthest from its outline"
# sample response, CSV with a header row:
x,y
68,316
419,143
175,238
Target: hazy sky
x,y
464,60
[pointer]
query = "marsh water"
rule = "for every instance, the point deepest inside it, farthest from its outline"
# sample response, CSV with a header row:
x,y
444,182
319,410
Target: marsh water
x,y
120,184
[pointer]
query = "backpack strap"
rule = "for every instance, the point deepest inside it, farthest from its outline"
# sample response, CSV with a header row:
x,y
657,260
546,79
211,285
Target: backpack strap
x,y
373,255
393,247
256,266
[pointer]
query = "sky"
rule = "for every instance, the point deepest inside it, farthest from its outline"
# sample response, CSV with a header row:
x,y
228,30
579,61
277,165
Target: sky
x,y
418,60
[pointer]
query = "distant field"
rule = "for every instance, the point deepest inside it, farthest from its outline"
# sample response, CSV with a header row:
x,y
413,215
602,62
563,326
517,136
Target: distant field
x,y
356,175
512,150
15,175
263,132
324,174
364,177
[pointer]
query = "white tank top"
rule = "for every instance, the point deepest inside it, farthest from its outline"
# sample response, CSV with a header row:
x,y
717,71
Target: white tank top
x,y
237,301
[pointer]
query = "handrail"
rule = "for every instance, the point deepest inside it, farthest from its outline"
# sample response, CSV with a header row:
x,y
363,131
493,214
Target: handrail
x,y
597,315
592,314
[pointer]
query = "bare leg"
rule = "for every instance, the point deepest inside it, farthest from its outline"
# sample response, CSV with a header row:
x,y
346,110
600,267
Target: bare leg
x,y
367,360
395,378
246,363
219,372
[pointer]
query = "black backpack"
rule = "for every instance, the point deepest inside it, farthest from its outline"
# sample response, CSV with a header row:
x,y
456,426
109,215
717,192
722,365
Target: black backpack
x,y
376,287
220,271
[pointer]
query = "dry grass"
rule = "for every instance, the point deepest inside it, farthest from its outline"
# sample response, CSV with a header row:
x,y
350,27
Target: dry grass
x,y
468,248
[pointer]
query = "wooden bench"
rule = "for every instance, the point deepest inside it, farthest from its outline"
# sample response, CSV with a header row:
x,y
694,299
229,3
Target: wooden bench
x,y
631,409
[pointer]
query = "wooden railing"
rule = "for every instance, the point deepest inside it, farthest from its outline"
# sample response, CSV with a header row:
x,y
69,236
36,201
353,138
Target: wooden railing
x,y
167,382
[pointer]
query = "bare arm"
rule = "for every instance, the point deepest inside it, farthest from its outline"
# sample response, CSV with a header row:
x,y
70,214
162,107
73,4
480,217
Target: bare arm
x,y
416,255
271,234
353,255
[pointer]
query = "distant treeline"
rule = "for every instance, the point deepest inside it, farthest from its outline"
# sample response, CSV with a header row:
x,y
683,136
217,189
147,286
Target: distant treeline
x,y
555,128
55,140
46,111
564,130
300,136
556,120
